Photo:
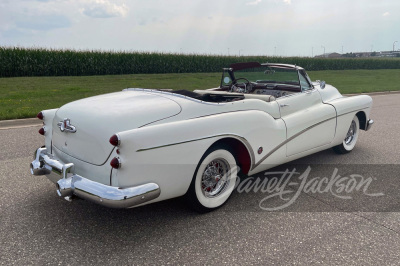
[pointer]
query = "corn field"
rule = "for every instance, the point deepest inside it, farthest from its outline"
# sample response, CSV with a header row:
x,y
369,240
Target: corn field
x,y
18,62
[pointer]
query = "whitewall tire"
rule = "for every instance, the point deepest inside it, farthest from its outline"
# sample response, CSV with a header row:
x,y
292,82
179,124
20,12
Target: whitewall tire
x,y
213,180
351,138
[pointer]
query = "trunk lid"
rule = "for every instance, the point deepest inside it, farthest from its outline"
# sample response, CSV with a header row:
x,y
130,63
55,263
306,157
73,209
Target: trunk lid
x,y
97,118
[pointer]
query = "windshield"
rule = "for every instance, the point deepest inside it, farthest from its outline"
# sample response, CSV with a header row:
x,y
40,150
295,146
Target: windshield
x,y
268,74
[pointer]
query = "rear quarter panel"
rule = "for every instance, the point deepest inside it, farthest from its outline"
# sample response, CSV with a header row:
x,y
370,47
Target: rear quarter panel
x,y
48,116
168,154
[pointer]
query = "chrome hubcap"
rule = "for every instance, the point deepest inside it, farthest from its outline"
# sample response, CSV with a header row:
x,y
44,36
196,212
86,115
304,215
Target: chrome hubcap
x,y
215,178
351,133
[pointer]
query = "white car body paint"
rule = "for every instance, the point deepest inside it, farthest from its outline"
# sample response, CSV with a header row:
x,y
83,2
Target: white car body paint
x,y
164,135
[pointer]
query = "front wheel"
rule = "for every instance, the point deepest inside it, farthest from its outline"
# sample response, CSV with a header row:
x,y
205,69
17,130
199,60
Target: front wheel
x,y
213,180
351,138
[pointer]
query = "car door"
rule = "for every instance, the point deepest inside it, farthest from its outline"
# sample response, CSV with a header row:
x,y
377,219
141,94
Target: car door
x,y
309,122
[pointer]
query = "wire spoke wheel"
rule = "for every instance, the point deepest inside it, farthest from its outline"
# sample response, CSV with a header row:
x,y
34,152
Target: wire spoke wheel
x,y
215,178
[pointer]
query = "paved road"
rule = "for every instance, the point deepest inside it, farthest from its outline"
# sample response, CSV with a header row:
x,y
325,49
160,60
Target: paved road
x,y
37,227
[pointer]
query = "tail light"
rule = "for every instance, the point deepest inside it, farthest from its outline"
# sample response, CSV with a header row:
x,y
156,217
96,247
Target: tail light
x,y
40,115
42,131
115,163
115,140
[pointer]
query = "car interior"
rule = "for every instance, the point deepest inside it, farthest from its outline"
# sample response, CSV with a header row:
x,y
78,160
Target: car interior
x,y
278,80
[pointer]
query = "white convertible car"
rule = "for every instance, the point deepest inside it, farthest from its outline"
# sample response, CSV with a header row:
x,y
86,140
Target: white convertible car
x,y
140,146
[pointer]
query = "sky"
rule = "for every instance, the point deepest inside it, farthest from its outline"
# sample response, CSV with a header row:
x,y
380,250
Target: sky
x,y
227,27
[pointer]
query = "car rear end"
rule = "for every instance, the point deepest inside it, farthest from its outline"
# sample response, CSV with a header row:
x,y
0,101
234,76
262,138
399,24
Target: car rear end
x,y
80,154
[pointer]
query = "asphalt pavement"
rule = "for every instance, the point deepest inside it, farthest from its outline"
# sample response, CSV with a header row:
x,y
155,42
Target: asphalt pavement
x,y
38,227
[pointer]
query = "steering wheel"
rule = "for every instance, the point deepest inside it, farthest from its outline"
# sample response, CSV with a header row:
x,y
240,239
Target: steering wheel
x,y
248,87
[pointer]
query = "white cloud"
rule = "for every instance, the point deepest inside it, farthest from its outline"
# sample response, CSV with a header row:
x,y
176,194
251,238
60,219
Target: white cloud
x,y
168,26
256,2
104,9
43,22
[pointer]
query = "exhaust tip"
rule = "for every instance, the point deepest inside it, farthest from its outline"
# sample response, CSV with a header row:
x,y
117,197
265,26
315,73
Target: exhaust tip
x,y
64,188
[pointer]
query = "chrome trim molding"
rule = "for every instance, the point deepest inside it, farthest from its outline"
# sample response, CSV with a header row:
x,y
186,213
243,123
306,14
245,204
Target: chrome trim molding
x,y
71,184
240,138
369,124
298,134
119,139
245,142
176,143
288,140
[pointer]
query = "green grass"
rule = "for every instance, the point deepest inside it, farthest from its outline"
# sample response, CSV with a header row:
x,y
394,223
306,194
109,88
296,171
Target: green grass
x,y
24,97
358,81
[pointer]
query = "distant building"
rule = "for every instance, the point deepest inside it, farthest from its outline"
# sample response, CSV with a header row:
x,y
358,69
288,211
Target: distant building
x,y
389,53
329,55
364,54
360,54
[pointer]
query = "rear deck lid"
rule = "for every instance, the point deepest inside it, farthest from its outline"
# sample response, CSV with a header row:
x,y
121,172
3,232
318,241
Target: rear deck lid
x,y
97,118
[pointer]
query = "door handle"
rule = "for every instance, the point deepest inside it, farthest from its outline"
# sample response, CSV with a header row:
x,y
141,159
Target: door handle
x,y
284,105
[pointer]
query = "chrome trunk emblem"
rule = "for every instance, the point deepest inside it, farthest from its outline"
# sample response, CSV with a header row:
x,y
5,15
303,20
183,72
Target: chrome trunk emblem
x,y
65,125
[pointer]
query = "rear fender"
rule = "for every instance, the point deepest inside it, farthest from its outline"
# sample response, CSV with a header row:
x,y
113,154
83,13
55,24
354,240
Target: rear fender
x,y
169,153
48,116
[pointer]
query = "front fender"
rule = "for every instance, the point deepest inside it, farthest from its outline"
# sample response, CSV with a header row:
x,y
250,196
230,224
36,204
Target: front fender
x,y
347,108
346,105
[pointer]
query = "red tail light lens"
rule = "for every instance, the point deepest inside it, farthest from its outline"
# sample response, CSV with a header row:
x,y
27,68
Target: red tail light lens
x,y
40,115
115,140
115,163
42,131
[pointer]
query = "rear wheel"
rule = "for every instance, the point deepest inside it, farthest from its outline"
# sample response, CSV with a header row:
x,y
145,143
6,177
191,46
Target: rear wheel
x,y
351,138
213,181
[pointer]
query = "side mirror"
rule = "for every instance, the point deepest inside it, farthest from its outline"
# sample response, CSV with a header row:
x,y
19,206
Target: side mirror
x,y
322,84
227,80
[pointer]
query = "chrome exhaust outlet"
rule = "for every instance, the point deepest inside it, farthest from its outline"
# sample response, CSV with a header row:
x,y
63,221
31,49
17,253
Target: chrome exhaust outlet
x,y
36,169
64,187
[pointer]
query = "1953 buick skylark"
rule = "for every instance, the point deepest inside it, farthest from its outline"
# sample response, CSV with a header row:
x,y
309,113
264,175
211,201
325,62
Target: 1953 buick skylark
x,y
140,146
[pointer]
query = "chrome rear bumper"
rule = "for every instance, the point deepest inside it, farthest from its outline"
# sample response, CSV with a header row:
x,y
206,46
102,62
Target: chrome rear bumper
x,y
71,184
